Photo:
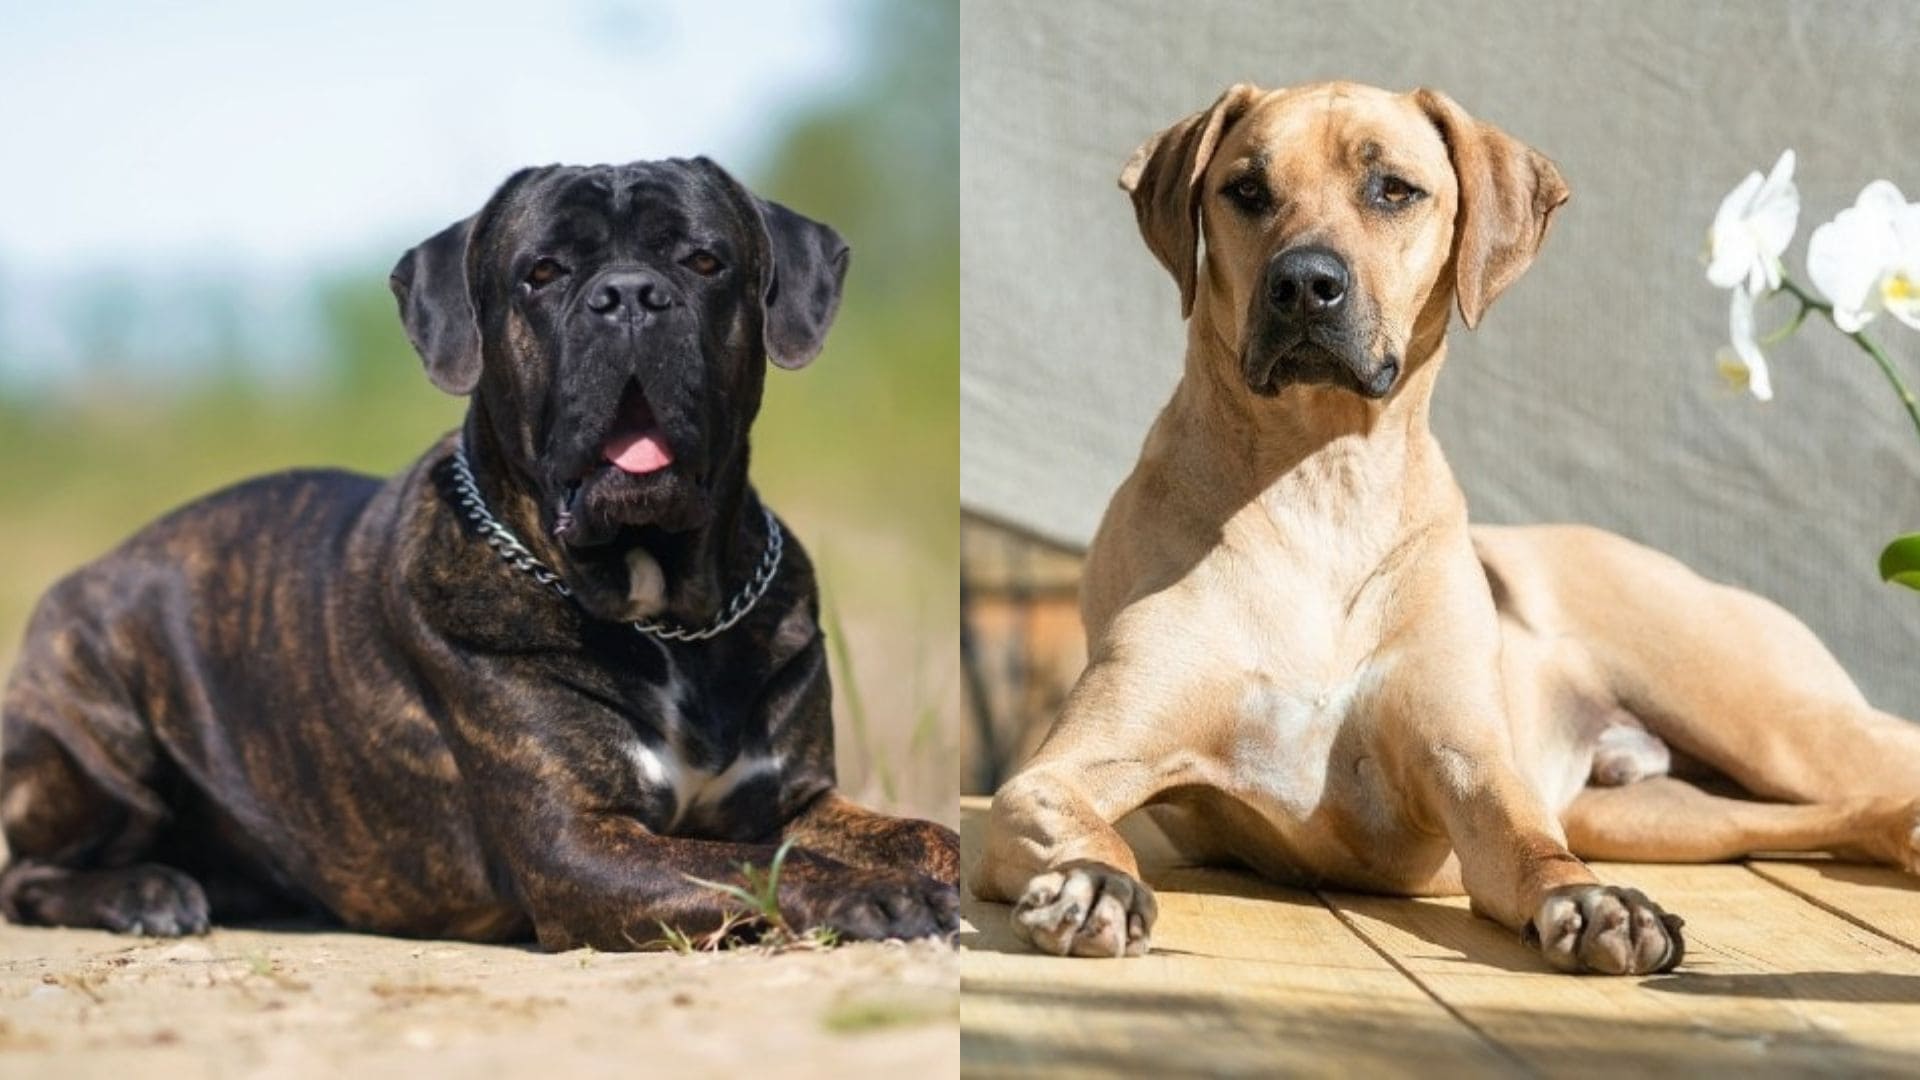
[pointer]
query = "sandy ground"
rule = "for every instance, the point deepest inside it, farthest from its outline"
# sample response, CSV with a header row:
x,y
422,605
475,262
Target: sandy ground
x,y
295,1003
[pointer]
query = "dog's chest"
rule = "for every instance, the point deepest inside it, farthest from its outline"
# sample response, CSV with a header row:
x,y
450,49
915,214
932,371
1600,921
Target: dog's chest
x,y
1288,741
688,779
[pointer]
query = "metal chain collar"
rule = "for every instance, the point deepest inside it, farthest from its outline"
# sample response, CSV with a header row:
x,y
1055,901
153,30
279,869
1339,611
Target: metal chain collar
x,y
515,554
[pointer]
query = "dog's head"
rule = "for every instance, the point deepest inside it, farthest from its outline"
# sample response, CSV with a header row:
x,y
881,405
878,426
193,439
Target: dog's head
x,y
1338,219
613,324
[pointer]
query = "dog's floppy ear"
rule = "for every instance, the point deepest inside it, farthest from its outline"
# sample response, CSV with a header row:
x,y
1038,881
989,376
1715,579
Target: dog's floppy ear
x,y
1508,193
1163,176
806,270
430,281
801,275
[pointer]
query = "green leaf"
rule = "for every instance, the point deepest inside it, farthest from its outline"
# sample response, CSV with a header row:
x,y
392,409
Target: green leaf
x,y
1900,563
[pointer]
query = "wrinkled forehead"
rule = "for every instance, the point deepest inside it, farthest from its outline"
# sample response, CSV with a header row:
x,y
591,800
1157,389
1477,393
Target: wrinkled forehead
x,y
652,201
1336,129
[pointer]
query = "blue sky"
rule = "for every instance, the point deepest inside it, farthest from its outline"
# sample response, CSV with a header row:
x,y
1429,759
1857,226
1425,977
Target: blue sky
x,y
162,163
275,133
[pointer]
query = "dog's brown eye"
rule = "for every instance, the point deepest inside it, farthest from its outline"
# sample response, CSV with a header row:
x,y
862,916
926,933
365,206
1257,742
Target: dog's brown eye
x,y
1249,192
702,263
544,272
1397,192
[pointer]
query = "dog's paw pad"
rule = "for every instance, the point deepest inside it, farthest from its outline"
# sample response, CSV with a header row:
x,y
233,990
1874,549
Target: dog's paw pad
x,y
1085,909
1607,929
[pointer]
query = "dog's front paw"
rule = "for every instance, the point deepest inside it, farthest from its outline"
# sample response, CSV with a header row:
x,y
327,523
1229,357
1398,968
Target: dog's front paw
x,y
886,905
1086,909
1606,929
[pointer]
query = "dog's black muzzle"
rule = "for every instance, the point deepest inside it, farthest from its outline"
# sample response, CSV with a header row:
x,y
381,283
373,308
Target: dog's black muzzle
x,y
631,369
1308,329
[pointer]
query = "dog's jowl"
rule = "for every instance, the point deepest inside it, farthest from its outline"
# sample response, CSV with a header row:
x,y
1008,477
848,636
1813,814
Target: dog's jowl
x,y
532,684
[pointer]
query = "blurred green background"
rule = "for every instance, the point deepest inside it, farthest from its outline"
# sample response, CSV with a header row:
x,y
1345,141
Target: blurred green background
x,y
124,392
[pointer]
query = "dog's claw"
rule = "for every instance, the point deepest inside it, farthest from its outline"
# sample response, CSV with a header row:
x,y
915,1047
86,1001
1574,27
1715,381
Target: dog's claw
x,y
1606,929
899,905
1086,909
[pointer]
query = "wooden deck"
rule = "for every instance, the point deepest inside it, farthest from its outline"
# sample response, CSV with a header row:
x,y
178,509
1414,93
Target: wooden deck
x,y
1793,967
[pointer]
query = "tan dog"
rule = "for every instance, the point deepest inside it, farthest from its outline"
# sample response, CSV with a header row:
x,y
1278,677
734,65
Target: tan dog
x,y
1306,661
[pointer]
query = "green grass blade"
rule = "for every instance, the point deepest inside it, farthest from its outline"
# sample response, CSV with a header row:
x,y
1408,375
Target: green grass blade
x,y
734,892
773,869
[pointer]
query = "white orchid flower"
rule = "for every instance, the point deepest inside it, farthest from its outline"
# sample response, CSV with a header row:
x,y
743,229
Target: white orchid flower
x,y
1867,259
1752,229
1744,365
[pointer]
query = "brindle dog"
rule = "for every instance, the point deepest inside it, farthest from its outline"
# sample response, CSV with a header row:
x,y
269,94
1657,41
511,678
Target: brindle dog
x,y
372,700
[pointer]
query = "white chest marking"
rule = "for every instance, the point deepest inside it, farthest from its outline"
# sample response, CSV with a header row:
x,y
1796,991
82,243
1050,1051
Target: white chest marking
x,y
693,788
667,765
646,584
1284,740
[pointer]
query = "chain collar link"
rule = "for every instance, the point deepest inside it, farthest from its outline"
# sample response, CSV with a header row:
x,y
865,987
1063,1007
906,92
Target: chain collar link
x,y
515,554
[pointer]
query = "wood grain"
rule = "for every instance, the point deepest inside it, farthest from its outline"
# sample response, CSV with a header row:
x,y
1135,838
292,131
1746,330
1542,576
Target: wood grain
x,y
1771,983
1245,977
1875,896
1793,967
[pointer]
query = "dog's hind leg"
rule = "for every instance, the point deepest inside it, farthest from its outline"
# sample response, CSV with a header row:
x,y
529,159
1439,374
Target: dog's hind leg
x,y
1739,684
1722,676
1663,819
77,836
62,830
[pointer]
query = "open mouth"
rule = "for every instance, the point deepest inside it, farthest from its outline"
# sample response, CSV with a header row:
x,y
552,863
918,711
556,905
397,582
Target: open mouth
x,y
636,445
632,470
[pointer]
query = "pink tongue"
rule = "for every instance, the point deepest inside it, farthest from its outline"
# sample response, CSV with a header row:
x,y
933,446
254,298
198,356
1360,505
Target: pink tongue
x,y
641,453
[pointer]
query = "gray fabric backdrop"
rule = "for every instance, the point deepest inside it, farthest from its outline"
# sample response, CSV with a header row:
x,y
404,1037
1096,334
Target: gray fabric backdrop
x,y
1589,393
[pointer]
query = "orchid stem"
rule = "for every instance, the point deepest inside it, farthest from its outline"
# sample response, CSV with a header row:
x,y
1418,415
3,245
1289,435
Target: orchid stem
x,y
1810,302
1893,376
1786,331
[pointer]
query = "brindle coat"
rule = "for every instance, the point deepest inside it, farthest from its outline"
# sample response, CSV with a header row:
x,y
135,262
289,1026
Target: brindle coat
x,y
321,691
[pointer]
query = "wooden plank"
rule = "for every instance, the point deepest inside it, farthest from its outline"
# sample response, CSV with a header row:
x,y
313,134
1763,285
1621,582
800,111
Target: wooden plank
x,y
1245,977
1880,897
1772,984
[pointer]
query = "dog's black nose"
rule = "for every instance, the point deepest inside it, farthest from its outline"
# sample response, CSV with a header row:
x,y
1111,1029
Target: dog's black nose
x,y
626,293
1310,281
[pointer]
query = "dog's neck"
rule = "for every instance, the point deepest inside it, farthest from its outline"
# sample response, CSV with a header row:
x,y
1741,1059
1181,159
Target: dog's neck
x,y
1311,447
684,578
